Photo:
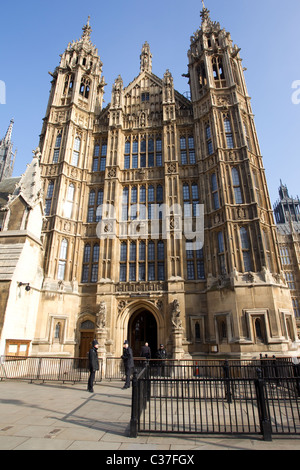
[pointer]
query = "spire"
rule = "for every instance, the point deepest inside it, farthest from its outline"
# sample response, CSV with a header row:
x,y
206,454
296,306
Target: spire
x,y
7,157
86,36
8,134
205,14
146,58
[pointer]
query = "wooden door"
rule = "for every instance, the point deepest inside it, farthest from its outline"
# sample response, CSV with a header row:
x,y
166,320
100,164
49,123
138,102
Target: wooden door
x,y
86,342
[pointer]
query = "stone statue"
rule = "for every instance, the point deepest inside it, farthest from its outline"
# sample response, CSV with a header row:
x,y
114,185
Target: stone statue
x,y
175,315
101,315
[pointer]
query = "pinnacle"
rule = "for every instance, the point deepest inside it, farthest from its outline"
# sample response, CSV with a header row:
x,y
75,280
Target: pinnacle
x,y
87,30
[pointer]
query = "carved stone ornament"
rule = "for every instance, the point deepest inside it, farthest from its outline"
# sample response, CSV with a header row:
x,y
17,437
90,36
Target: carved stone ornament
x,y
171,168
122,304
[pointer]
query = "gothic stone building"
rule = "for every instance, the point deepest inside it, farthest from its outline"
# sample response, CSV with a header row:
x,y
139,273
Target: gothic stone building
x,y
124,188
287,216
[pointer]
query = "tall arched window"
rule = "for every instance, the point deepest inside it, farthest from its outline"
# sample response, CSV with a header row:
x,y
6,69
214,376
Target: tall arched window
x,y
49,196
228,132
259,330
99,209
91,206
125,196
62,260
76,151
209,143
151,261
85,85
95,263
68,206
57,148
96,157
245,249
142,194
215,192
160,260
132,262
85,264
142,261
221,253
197,332
68,87
57,331
236,186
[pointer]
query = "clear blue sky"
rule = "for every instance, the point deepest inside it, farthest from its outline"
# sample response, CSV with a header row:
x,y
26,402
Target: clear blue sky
x,y
34,33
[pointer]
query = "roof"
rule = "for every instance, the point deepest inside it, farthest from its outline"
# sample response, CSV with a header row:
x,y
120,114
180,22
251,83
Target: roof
x,y
285,229
7,187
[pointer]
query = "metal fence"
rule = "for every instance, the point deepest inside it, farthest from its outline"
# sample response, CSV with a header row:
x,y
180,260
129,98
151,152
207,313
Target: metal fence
x,y
260,397
114,367
47,369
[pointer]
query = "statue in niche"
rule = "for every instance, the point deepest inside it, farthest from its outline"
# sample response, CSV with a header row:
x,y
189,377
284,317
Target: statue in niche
x,y
168,83
175,314
117,88
101,315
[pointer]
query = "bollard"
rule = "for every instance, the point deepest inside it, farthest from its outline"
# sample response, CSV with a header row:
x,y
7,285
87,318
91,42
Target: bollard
x,y
134,406
265,424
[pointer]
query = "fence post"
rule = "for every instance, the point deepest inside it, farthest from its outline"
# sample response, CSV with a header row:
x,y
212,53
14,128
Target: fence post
x,y
227,382
134,406
265,424
296,372
39,368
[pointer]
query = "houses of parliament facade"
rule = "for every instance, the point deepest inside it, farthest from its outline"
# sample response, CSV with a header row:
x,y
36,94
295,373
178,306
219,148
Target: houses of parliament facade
x,y
99,236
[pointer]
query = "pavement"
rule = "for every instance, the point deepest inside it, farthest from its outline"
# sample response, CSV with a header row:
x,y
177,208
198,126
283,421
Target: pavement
x,y
53,416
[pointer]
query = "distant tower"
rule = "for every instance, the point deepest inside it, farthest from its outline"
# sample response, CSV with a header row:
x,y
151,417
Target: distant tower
x,y
286,209
7,157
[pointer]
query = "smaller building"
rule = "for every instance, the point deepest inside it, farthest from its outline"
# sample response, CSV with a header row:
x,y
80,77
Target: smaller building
x,y
21,259
287,216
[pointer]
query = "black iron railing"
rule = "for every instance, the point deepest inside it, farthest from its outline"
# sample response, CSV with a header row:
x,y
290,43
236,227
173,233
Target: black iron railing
x,y
228,397
47,369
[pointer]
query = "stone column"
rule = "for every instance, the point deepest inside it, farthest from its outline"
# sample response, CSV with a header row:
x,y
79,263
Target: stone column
x,y
177,336
101,334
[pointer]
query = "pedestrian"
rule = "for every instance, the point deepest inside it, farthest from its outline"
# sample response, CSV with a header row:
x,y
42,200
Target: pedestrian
x,y
162,356
93,364
128,362
146,351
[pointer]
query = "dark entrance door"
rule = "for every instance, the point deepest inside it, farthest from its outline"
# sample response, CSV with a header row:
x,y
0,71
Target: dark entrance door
x,y
142,328
86,343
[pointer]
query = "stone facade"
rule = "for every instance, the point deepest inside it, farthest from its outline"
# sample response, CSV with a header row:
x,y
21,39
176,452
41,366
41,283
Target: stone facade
x,y
126,190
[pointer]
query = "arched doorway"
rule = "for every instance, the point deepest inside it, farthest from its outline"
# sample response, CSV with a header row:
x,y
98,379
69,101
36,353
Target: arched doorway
x,y
87,334
142,327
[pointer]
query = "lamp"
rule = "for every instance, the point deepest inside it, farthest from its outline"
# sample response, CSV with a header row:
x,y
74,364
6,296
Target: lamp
x,y
26,284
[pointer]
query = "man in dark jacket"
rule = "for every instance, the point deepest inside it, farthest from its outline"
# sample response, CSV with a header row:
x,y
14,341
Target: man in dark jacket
x,y
128,363
93,365
146,351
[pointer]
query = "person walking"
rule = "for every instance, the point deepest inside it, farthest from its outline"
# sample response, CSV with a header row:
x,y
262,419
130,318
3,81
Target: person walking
x,y
93,364
162,356
128,362
146,351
